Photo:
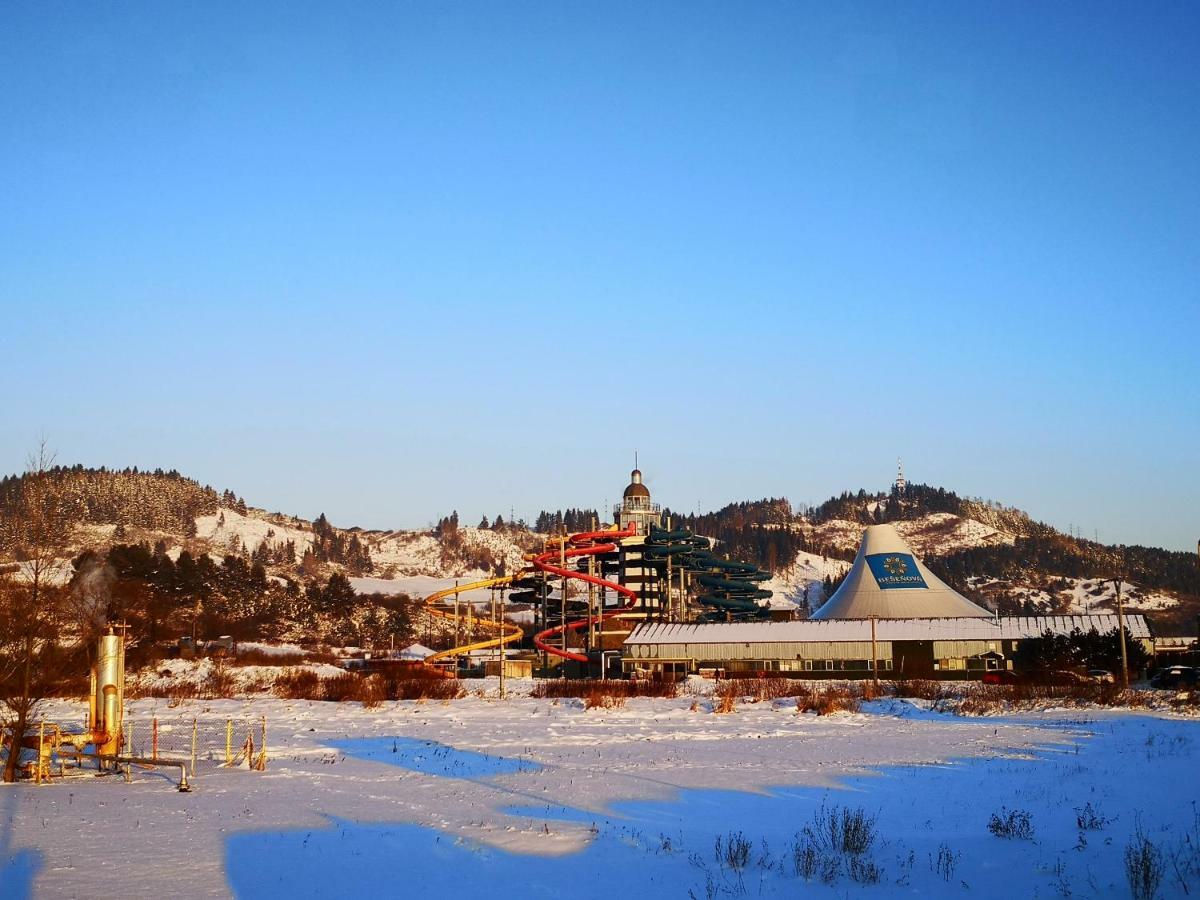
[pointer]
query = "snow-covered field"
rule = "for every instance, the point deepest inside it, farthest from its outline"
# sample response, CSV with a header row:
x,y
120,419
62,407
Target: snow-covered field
x,y
541,798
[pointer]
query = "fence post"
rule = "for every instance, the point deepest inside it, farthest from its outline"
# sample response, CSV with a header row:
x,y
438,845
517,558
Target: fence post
x,y
154,739
194,730
41,750
262,753
228,742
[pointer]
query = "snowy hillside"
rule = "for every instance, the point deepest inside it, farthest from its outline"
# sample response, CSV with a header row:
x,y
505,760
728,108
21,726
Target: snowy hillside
x,y
801,585
932,535
1066,596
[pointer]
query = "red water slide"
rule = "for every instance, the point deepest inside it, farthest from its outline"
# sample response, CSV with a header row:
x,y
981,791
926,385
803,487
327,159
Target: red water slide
x,y
582,544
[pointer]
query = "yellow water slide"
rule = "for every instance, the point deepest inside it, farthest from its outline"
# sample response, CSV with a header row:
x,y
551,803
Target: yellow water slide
x,y
508,633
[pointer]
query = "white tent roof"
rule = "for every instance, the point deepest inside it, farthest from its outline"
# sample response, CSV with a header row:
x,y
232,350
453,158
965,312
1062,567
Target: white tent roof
x,y
888,582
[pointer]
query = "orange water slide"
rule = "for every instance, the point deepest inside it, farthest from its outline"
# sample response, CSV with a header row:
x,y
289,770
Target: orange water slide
x,y
582,544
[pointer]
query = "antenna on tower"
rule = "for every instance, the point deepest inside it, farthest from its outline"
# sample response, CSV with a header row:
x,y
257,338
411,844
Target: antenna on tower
x,y
635,461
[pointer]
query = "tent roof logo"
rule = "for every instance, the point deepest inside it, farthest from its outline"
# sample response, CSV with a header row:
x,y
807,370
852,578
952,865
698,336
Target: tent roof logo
x,y
895,565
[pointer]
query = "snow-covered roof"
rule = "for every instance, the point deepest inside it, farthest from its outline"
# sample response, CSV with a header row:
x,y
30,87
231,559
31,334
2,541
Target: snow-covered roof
x,y
414,651
887,581
942,629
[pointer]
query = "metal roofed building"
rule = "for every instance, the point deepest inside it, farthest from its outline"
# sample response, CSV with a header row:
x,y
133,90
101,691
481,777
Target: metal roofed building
x,y
887,581
950,647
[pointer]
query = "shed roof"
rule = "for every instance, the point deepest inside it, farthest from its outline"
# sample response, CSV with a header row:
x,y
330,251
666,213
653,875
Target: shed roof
x,y
943,629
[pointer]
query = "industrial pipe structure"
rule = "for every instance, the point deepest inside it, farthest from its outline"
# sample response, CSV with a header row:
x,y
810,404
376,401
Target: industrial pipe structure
x,y
542,563
106,702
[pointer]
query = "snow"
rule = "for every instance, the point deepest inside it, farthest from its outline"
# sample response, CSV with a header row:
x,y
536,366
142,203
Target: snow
x,y
934,534
415,651
400,554
272,649
808,571
326,805
250,529
1078,595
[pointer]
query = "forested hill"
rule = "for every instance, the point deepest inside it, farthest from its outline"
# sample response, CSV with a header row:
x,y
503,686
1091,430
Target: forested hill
x,y
158,500
1035,546
920,500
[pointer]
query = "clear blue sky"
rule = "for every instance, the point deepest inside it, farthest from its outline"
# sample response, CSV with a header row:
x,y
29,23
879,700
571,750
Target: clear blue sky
x,y
385,260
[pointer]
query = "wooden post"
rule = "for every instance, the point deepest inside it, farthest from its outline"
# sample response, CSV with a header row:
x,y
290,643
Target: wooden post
x,y
154,738
195,731
228,742
262,753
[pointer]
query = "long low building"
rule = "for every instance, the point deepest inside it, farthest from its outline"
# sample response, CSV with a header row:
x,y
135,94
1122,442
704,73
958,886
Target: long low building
x,y
841,648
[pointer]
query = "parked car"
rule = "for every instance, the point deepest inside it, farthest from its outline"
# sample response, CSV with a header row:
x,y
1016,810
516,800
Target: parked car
x,y
1102,676
1001,676
1176,677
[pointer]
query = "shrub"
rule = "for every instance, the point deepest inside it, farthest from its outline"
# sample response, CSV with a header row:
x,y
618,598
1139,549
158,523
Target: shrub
x,y
767,688
725,697
1089,818
298,684
829,700
837,842
220,682
1012,824
1143,867
402,686
946,862
604,687
734,852
918,689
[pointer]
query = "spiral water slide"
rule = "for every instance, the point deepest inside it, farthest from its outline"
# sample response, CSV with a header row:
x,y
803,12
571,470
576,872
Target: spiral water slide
x,y
585,543
508,633
732,587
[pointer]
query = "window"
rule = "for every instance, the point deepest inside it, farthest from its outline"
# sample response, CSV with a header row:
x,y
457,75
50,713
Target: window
x,y
829,665
808,665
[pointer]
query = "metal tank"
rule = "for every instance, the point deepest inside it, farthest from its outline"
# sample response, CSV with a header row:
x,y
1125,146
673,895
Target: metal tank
x,y
108,694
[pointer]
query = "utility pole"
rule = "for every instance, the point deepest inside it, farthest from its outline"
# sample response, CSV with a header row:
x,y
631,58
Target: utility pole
x,y
874,655
1121,632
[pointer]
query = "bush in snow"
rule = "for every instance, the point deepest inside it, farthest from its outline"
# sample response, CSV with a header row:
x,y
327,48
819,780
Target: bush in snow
x,y
838,841
1012,824
1143,867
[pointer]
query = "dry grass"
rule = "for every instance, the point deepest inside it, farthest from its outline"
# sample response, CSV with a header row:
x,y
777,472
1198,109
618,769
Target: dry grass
x,y
759,689
256,657
605,692
982,699
830,700
918,689
725,697
369,690
822,700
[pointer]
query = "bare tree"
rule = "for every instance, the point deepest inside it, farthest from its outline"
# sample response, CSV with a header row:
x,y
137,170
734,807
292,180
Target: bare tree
x,y
38,533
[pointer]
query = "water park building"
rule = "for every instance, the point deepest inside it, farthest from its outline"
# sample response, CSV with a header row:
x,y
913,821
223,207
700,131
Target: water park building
x,y
890,615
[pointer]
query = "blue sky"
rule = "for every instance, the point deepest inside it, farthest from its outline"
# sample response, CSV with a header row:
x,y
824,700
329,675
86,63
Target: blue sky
x,y
390,259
